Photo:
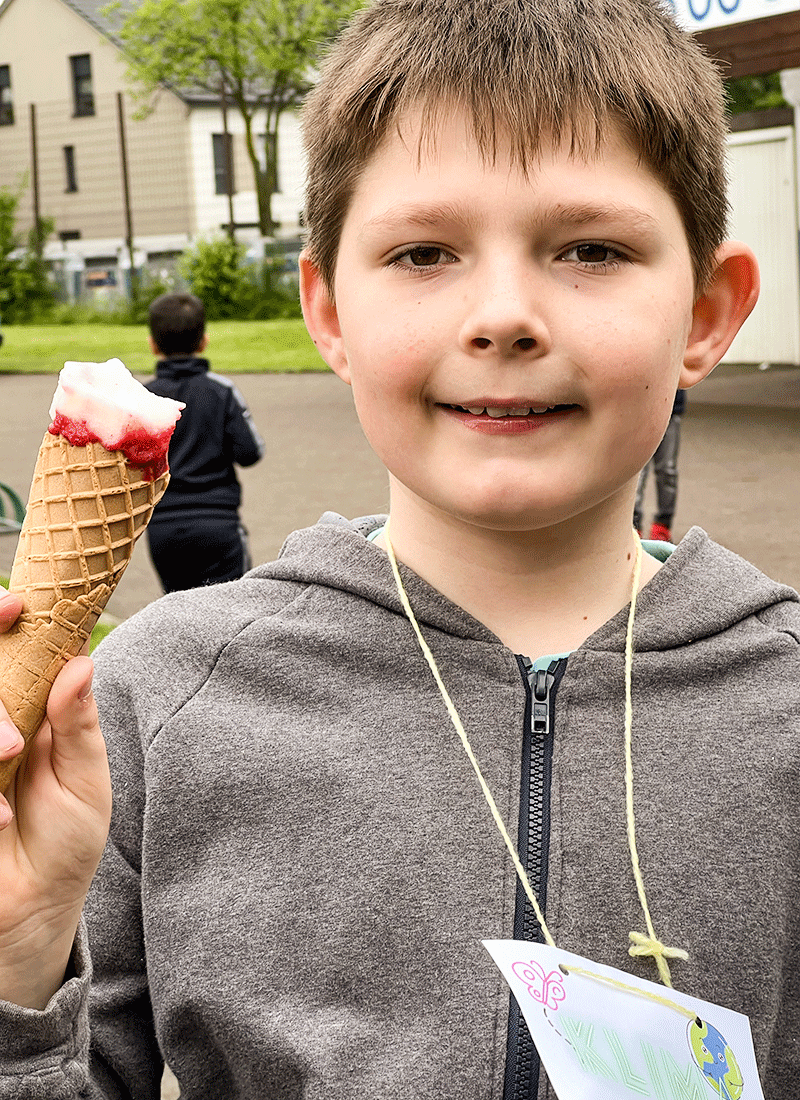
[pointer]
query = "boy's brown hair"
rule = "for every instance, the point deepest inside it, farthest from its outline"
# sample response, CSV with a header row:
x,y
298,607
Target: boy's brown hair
x,y
177,324
534,70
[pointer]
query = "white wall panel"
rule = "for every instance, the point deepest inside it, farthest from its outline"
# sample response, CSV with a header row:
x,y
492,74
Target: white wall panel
x,y
287,203
762,169
212,209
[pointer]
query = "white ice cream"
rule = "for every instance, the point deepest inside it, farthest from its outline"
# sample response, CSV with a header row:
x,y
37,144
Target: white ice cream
x,y
111,402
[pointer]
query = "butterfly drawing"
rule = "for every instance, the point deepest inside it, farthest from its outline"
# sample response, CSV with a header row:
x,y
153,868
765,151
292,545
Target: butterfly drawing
x,y
546,989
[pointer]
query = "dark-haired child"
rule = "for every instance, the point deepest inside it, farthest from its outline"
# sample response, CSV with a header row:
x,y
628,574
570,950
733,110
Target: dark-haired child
x,y
196,535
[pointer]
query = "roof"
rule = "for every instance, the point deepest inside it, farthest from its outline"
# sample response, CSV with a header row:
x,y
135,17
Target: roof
x,y
92,12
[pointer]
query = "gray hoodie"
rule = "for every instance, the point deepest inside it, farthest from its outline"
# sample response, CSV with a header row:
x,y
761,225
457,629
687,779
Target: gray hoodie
x,y
302,866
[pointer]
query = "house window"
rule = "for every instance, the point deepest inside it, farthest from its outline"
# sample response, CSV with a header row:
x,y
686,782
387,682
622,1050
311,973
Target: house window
x,y
83,97
69,168
6,106
223,157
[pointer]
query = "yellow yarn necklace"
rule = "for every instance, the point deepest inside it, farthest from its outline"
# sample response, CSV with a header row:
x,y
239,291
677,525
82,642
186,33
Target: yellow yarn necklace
x,y
641,944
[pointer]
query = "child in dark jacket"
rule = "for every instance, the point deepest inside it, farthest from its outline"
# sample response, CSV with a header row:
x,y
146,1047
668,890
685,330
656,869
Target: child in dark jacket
x,y
196,536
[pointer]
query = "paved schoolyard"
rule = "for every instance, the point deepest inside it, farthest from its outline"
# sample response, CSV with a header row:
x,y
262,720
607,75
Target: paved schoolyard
x,y
739,465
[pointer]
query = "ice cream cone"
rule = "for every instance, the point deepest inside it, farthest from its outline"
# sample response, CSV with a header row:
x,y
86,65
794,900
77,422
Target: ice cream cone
x,y
86,509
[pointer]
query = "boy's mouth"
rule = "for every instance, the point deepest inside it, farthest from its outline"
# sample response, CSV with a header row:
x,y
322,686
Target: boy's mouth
x,y
496,412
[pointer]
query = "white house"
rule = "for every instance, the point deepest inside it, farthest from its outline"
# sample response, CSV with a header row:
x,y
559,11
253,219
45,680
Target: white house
x,y
70,146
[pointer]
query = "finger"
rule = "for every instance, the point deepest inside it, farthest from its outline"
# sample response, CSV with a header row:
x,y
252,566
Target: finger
x,y
11,740
78,749
11,744
10,608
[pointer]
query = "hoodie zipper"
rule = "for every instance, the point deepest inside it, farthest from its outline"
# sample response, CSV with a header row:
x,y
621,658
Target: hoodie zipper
x,y
522,1060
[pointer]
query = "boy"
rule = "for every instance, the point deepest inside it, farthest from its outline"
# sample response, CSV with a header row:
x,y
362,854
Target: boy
x,y
516,255
195,535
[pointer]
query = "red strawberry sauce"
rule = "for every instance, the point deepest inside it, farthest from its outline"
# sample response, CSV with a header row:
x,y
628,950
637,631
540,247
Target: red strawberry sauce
x,y
145,450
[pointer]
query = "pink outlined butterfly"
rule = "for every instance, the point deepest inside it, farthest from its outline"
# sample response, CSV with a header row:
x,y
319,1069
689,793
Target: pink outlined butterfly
x,y
546,989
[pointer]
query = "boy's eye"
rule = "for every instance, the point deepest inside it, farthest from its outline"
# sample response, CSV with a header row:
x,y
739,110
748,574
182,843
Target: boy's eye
x,y
423,256
593,254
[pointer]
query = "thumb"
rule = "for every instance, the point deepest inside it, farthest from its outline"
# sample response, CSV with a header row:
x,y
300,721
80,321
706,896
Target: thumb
x,y
78,752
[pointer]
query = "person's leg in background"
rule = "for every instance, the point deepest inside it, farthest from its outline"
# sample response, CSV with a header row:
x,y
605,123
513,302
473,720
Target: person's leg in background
x,y
665,466
639,505
207,550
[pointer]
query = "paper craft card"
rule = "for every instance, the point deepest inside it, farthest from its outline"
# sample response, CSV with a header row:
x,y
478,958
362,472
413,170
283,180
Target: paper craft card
x,y
603,1034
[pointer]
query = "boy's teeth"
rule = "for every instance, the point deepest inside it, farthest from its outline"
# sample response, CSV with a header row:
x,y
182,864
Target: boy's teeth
x,y
496,413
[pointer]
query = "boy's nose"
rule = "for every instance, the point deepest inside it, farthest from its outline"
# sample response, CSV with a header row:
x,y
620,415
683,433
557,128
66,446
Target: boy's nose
x,y
506,321
522,343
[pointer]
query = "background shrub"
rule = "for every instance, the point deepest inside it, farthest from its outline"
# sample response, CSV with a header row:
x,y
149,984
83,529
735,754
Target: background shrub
x,y
25,292
231,285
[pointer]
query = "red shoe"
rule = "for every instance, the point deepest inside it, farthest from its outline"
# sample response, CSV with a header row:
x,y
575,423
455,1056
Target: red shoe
x,y
660,533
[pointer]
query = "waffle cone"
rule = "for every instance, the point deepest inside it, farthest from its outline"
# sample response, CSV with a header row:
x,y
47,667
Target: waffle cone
x,y
86,509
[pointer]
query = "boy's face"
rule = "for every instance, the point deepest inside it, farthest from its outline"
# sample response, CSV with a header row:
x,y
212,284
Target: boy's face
x,y
463,286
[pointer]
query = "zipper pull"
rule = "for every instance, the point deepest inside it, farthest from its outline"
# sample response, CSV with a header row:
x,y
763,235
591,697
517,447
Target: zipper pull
x,y
540,710
543,683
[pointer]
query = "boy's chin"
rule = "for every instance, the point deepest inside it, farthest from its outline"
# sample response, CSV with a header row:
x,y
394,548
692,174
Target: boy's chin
x,y
555,519
522,523
559,508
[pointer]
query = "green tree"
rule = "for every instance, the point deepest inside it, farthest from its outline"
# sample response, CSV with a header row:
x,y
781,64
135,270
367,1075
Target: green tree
x,y
755,93
24,289
258,54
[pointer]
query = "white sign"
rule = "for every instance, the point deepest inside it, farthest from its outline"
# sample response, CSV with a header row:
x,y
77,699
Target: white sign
x,y
702,15
605,1035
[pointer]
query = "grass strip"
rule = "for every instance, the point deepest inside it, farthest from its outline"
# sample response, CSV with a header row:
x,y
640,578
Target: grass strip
x,y
234,347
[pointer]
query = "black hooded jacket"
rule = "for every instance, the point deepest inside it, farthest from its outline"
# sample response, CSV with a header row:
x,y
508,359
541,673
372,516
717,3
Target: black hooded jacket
x,y
215,432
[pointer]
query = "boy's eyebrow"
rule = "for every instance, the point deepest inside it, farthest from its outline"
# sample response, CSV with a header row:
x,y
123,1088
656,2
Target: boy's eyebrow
x,y
432,215
583,213
421,215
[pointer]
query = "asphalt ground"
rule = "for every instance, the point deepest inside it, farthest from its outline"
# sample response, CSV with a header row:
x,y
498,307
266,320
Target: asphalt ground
x,y
739,465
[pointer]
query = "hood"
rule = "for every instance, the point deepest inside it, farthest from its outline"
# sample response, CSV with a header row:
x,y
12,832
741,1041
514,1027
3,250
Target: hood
x,y
181,367
703,589
335,553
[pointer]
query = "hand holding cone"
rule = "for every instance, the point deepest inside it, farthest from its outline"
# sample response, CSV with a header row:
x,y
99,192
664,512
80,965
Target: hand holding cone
x,y
87,507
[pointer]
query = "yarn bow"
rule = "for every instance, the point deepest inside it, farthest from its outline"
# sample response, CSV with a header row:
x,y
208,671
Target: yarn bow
x,y
650,947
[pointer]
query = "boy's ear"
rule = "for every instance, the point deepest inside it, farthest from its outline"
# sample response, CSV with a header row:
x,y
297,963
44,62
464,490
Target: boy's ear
x,y
321,318
720,311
